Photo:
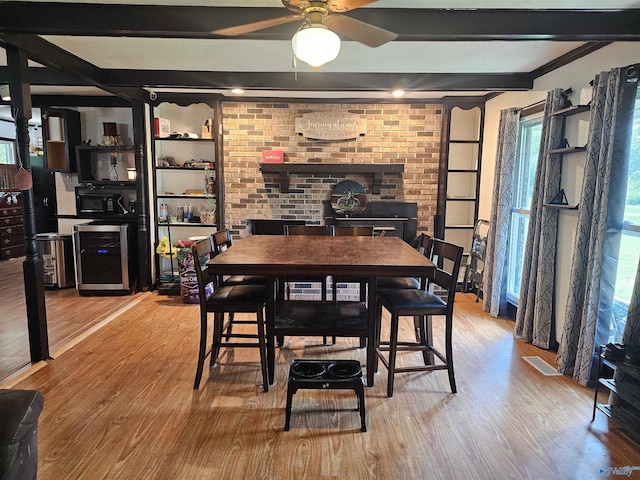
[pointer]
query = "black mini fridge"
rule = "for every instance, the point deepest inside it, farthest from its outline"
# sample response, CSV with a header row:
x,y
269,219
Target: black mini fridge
x,y
104,254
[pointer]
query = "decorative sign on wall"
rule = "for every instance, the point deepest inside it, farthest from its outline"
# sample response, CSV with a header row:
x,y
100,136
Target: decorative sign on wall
x,y
331,126
272,156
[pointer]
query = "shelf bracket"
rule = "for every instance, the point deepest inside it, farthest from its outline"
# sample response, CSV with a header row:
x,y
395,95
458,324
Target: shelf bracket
x,y
560,198
377,183
284,182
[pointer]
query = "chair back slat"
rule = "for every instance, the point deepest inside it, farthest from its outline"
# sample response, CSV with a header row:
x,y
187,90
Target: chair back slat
x,y
447,257
220,241
201,251
316,230
425,245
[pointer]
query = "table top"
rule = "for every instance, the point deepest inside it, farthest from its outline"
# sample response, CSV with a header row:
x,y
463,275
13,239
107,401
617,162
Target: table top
x,y
309,255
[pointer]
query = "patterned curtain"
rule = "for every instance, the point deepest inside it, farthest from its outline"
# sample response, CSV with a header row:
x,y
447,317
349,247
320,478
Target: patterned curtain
x,y
535,317
495,278
597,243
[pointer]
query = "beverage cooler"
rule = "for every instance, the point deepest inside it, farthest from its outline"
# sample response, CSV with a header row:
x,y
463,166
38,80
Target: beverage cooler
x,y
105,258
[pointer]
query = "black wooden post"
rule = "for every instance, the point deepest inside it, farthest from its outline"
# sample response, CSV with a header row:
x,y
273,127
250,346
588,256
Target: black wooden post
x,y
32,267
142,195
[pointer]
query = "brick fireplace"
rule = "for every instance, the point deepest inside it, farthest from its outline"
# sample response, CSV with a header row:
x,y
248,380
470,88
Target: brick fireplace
x,y
407,134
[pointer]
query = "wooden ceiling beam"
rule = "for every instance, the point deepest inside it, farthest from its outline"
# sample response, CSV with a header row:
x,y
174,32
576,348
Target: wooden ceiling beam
x,y
58,59
119,80
411,24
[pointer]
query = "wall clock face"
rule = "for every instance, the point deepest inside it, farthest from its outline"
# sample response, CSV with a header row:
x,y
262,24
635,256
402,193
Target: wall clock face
x,y
348,198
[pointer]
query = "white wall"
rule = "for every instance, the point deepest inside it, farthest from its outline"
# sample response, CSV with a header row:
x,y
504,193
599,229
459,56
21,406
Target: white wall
x,y
576,76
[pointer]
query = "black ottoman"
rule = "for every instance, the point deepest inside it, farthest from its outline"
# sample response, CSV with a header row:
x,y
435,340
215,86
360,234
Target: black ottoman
x,y
326,374
19,413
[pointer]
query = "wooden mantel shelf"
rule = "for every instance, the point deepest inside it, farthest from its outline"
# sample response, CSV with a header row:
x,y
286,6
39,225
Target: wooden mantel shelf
x,y
376,169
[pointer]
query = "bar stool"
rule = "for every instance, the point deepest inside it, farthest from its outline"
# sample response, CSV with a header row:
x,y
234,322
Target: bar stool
x,y
219,300
221,241
421,304
424,244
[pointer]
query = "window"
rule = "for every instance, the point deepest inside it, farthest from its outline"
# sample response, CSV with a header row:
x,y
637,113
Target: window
x,y
7,153
524,175
630,242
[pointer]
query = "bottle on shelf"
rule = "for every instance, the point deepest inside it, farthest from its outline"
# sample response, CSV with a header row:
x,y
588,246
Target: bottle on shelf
x,y
164,212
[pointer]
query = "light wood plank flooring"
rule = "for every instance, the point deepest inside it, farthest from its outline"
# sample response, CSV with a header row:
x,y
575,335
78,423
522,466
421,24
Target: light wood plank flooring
x,y
68,316
121,405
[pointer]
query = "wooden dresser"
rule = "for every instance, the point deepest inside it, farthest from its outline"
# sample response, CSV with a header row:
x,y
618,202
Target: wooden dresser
x,y
11,225
11,228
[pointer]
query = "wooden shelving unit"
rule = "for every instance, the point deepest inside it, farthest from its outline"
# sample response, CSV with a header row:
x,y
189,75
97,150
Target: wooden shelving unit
x,y
180,186
623,379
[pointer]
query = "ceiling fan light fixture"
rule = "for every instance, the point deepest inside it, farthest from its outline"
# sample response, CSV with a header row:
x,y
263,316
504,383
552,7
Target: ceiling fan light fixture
x,y
315,45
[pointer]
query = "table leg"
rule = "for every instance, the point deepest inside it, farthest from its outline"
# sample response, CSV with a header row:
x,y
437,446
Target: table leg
x,y
270,324
371,331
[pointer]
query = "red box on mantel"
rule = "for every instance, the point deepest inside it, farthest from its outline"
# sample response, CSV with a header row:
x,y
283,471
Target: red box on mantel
x,y
272,156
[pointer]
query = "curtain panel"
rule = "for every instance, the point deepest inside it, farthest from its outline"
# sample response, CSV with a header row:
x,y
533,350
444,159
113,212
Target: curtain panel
x,y
535,318
494,286
594,266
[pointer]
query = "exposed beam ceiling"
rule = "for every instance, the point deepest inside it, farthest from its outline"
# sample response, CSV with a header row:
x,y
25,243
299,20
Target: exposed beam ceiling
x,y
122,47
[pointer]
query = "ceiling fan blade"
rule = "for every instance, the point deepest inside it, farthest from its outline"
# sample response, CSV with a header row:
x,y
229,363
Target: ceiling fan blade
x,y
346,5
331,5
359,31
255,26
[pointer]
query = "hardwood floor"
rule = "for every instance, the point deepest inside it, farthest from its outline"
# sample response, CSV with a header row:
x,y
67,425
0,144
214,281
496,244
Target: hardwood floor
x,y
68,316
121,405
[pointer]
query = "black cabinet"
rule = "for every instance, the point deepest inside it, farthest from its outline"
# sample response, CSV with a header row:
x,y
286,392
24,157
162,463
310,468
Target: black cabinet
x,y
44,195
61,135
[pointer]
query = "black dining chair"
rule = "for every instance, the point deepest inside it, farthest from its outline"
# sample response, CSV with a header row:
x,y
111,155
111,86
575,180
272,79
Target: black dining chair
x,y
220,299
422,304
220,241
353,231
310,231
424,244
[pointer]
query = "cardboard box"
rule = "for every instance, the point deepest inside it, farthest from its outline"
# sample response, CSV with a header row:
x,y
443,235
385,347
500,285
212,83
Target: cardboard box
x,y
207,128
272,156
162,127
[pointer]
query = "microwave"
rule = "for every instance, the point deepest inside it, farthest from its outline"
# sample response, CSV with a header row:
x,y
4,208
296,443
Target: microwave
x,y
97,202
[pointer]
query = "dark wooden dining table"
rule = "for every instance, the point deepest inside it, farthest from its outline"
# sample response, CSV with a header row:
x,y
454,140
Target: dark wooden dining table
x,y
277,256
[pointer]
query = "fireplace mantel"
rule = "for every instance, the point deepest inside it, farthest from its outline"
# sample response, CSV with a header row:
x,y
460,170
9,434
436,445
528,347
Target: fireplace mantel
x,y
376,169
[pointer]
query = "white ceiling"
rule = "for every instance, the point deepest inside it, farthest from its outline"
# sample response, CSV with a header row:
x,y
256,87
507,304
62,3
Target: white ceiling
x,y
234,55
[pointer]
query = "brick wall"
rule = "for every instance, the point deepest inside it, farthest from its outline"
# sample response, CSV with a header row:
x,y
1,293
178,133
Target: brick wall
x,y
396,133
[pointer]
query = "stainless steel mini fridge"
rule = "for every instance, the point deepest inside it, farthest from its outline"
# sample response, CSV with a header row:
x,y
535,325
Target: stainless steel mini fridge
x,y
103,258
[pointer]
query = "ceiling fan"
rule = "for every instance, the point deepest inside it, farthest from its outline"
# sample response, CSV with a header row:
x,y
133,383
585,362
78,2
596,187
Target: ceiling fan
x,y
316,41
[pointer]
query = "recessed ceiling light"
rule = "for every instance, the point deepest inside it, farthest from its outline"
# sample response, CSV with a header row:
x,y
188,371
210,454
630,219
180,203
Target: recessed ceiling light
x,y
237,91
398,93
